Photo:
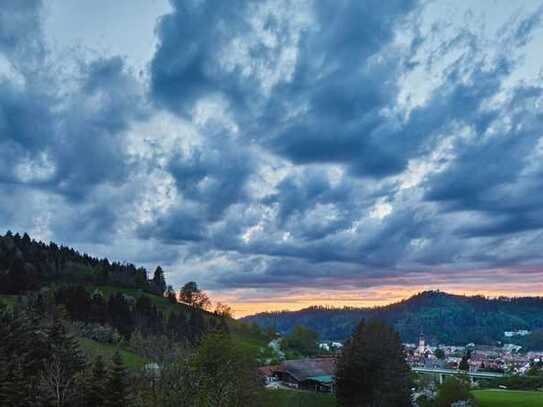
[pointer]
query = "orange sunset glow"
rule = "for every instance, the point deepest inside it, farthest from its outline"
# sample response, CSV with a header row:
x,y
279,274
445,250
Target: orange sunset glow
x,y
241,306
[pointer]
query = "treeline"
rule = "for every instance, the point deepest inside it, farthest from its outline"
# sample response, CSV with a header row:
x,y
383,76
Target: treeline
x,y
127,315
444,318
27,265
41,364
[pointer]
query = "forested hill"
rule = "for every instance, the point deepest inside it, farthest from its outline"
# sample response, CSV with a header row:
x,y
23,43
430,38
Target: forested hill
x,y
106,302
82,331
444,318
27,265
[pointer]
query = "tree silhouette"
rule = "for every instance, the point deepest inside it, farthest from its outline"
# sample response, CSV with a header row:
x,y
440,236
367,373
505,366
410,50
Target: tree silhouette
x,y
193,296
159,281
372,370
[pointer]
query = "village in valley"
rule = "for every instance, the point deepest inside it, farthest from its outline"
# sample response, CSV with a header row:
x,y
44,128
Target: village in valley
x,y
435,362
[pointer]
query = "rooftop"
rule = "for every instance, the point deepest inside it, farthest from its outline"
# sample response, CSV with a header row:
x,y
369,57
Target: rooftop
x,y
309,369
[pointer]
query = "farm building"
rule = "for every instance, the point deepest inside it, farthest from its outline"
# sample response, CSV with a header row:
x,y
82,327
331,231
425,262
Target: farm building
x,y
308,374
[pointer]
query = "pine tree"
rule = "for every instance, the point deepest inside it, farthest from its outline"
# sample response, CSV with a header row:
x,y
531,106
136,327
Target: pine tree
x,y
22,351
159,280
196,326
65,348
13,384
59,379
372,370
117,392
96,386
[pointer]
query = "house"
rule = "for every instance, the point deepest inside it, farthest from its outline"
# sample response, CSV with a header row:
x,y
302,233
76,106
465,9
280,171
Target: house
x,y
324,346
268,374
308,374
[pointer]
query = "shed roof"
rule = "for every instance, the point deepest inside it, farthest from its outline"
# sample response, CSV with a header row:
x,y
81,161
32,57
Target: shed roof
x,y
321,379
303,369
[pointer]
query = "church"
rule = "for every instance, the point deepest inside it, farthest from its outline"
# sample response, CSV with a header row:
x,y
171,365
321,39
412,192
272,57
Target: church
x,y
423,348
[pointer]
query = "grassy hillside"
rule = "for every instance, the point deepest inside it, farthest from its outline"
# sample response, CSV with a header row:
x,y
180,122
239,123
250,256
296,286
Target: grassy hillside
x,y
486,398
506,398
93,349
289,398
8,300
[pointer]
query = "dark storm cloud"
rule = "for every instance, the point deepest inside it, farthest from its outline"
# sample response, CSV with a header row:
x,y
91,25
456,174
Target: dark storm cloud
x,y
214,174
345,89
211,177
62,134
498,176
182,74
181,225
304,162
345,79
90,147
340,106
296,194
77,130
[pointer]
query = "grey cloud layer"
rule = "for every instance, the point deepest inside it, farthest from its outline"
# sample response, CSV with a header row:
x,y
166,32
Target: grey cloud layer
x,y
291,158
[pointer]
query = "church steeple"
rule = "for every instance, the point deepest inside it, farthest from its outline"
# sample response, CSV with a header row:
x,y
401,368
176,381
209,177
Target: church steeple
x,y
422,343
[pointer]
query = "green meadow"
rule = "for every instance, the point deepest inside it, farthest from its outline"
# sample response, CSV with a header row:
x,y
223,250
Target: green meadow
x,y
93,349
290,398
486,398
509,398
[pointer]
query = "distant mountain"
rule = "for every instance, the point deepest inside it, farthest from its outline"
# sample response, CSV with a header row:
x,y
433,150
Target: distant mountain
x,y
442,317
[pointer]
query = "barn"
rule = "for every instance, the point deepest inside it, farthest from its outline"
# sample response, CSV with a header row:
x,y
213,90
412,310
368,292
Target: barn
x,y
308,374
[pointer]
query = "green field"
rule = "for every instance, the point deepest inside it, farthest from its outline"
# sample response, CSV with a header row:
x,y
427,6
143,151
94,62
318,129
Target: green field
x,y
486,398
509,398
289,398
93,349
8,300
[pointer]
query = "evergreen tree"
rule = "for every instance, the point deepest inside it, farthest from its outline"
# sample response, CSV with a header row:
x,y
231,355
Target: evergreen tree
x,y
59,381
14,389
65,347
117,391
23,348
120,314
177,327
159,280
196,326
372,371
97,384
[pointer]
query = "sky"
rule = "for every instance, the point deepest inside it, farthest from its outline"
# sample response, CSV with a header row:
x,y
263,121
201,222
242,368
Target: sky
x,y
281,153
